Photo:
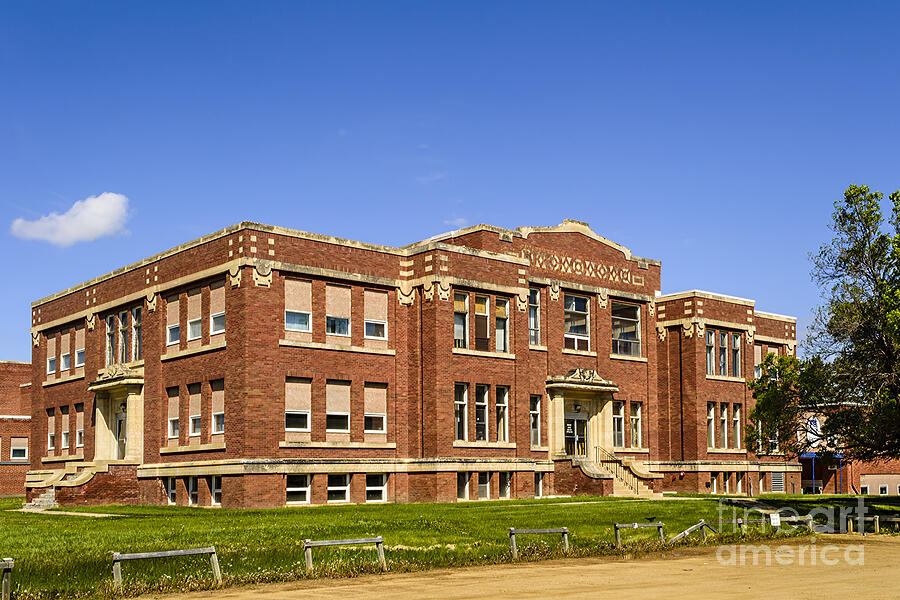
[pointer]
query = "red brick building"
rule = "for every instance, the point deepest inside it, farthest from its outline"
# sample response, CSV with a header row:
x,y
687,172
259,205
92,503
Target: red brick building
x,y
15,426
259,366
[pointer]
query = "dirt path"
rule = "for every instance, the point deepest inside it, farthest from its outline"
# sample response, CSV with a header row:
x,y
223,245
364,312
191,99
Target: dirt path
x,y
687,574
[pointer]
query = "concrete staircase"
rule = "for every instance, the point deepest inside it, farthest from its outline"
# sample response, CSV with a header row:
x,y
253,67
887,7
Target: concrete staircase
x,y
625,481
42,502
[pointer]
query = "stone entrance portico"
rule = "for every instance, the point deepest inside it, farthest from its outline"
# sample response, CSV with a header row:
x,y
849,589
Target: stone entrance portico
x,y
118,414
580,414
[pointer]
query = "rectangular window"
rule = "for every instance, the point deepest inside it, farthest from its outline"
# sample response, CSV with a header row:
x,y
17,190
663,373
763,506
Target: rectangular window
x,y
462,486
710,352
218,422
636,425
376,330
217,323
65,440
482,339
626,329
215,490
460,320
376,487
723,425
173,428
337,422
538,485
137,350
192,490
173,335
778,482
51,365
501,331
735,355
505,483
710,424
736,425
296,420
297,321
123,337
196,422
757,359
375,423
170,489
535,414
64,362
618,418
723,353
79,358
337,326
502,410
460,410
534,317
481,413
110,340
297,491
195,329
51,441
484,485
338,488
575,327
79,438
18,449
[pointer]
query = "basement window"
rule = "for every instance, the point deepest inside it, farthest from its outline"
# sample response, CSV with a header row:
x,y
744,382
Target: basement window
x,y
338,488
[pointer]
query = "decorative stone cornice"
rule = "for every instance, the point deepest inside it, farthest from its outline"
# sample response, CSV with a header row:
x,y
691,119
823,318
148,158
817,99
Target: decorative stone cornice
x,y
90,321
602,298
554,290
262,273
115,376
661,331
522,302
234,273
151,301
581,379
35,339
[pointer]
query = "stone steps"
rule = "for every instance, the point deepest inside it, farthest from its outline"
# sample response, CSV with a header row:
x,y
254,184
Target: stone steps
x,y
42,502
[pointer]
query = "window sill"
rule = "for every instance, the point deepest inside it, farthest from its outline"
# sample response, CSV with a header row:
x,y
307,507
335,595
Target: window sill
x,y
193,351
467,352
579,352
540,448
626,357
465,444
538,348
726,451
62,380
197,448
726,378
632,450
68,458
320,346
371,445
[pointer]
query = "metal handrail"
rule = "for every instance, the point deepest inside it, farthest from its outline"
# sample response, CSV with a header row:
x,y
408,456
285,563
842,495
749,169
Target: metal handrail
x,y
614,466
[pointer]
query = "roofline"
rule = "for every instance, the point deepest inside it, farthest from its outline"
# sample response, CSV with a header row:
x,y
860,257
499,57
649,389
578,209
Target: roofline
x,y
14,362
704,294
776,316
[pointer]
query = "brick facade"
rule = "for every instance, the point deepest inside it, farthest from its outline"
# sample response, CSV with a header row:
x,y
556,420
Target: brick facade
x,y
15,426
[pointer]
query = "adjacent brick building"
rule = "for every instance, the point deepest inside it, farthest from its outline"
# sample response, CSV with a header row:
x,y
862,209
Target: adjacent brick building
x,y
15,426
261,366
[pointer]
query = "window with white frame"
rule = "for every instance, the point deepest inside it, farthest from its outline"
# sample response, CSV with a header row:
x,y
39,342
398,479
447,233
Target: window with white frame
x,y
51,441
337,422
723,353
123,337
501,394
534,411
538,485
215,490
710,424
863,490
482,311
337,326
195,329
18,449
723,425
110,340
505,481
484,485
501,325
626,329
79,438
137,350
217,323
534,317
297,491
64,440
462,486
218,422
460,320
757,360
736,425
636,425
170,489
481,413
882,490
295,320
79,358
618,428
338,488
735,354
575,326
713,483
173,428
375,423
376,487
710,352
196,424
193,489
296,420
64,362
51,365
375,330
460,410
173,334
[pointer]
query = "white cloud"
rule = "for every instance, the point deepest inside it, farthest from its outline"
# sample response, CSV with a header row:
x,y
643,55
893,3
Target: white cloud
x,y
87,220
457,222
432,177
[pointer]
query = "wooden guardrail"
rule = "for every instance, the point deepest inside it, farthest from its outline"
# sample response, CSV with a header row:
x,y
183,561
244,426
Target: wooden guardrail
x,y
702,526
6,567
659,526
117,559
308,545
513,532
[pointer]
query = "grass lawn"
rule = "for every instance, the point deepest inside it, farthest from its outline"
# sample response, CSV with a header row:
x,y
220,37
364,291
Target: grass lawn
x,y
60,556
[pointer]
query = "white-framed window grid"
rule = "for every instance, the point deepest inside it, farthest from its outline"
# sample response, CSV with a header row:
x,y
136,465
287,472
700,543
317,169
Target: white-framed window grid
x,y
195,329
337,422
64,440
375,329
51,441
375,423
193,490
215,490
460,411
501,395
297,489
636,418
51,365
484,485
79,438
79,357
534,410
173,334
376,487
460,320
218,422
64,362
171,493
534,317
296,420
501,325
462,485
137,350
338,488
173,428
618,428
123,336
576,322
626,328
339,326
296,320
482,393
217,323
110,340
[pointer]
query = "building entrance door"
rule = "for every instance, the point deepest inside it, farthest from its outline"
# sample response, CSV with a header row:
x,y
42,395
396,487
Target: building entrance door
x,y
576,435
120,435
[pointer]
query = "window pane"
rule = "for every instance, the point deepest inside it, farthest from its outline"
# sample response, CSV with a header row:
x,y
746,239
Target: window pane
x,y
174,334
296,321
337,422
218,323
194,328
375,329
337,326
374,422
576,323
296,420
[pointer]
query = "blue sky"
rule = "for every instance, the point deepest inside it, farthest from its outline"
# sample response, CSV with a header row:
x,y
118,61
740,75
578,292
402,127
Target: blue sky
x,y
712,136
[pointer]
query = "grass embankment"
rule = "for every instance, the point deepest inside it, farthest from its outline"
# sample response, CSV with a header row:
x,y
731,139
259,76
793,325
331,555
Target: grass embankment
x,y
61,556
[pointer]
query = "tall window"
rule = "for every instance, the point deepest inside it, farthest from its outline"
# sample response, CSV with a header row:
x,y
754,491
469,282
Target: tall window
x,y
460,320
123,337
735,354
462,486
338,488
757,359
297,489
534,317
481,413
482,340
723,425
460,409
215,490
484,485
618,424
626,329
723,353
502,405
576,332
501,331
110,340
710,424
376,486
710,352
535,413
137,351
505,483
636,425
736,425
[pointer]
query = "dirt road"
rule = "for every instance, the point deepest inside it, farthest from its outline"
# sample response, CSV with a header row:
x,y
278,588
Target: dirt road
x,y
687,574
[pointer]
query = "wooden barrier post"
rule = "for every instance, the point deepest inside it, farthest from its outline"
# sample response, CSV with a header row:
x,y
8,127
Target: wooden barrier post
x,y
877,524
512,543
378,541
659,528
6,566
513,548
117,559
307,552
618,538
662,536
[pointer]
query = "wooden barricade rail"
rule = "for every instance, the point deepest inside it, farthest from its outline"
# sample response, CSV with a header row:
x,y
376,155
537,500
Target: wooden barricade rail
x,y
308,545
659,526
513,532
117,559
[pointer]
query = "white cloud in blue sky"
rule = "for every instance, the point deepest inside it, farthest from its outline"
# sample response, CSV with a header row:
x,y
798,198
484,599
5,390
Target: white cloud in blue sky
x,y
87,220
